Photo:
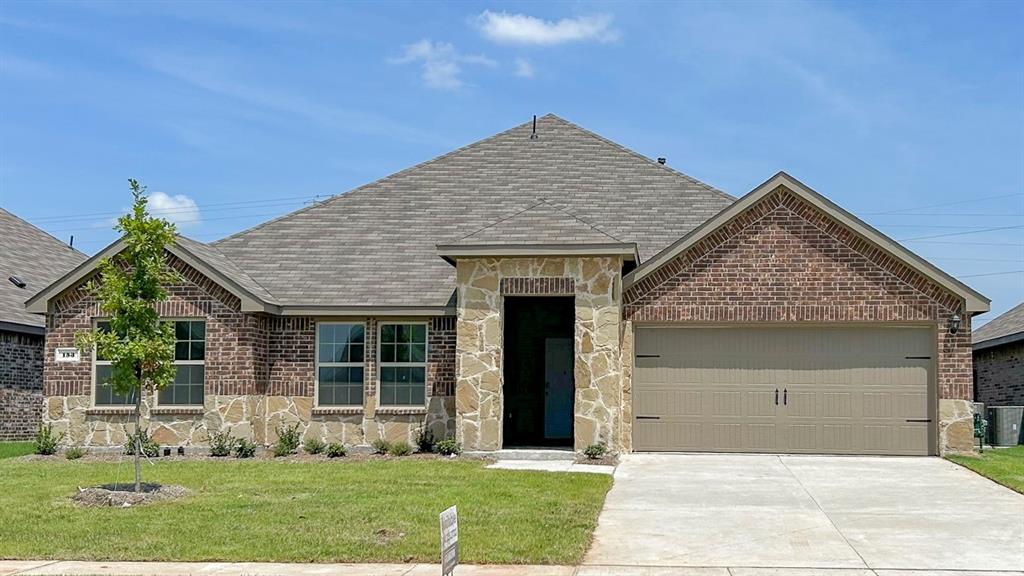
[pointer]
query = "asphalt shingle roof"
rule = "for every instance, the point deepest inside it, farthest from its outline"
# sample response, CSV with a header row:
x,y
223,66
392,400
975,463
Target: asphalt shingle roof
x,y
542,223
36,258
214,257
1006,324
376,245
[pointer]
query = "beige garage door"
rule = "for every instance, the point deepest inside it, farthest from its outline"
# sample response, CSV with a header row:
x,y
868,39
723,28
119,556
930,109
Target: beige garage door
x,y
782,389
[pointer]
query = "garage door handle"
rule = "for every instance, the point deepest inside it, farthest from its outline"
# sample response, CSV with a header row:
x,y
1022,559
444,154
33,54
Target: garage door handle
x,y
919,419
648,355
776,396
648,417
785,397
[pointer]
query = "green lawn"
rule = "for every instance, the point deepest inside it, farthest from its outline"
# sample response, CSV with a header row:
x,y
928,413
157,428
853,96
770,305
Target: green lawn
x,y
1005,465
259,510
12,449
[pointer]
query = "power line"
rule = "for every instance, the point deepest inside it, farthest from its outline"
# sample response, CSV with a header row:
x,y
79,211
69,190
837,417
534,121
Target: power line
x,y
963,233
100,216
1014,244
957,203
1008,272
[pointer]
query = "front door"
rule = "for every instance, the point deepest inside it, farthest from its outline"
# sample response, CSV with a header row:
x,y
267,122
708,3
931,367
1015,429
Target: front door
x,y
558,388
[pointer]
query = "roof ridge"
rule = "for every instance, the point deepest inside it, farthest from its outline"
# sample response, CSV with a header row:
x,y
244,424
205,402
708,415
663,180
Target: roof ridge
x,y
590,224
636,154
362,187
505,219
43,232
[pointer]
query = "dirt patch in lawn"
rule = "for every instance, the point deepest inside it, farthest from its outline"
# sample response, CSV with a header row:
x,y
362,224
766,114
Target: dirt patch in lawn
x,y
602,461
124,495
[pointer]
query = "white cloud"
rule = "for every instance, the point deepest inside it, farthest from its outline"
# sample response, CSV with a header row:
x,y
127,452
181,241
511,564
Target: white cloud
x,y
523,68
523,29
441,63
179,208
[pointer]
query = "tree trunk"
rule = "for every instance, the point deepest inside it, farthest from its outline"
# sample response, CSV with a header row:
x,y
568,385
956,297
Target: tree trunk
x,y
138,438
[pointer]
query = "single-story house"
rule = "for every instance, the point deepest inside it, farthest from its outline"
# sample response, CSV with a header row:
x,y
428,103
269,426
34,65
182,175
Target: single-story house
x,y
30,260
548,287
999,360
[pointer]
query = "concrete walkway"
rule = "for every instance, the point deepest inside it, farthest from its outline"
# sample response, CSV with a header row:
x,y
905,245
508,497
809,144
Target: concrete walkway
x,y
753,513
552,466
66,568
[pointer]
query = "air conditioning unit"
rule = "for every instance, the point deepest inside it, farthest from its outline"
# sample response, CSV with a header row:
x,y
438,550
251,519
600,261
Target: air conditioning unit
x,y
1006,425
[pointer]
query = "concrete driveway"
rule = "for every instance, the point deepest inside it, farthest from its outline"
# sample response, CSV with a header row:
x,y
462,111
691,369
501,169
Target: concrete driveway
x,y
755,511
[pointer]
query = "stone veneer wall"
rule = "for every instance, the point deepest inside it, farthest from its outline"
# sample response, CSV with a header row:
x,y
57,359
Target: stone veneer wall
x,y
784,261
260,373
21,384
999,373
482,285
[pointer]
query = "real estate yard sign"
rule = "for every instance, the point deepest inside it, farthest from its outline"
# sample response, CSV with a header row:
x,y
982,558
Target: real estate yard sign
x,y
449,541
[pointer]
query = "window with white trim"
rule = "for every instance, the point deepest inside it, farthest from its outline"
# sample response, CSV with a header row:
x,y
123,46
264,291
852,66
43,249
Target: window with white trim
x,y
403,364
188,386
340,348
102,371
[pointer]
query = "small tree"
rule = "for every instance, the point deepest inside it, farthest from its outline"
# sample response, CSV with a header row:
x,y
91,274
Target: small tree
x,y
140,347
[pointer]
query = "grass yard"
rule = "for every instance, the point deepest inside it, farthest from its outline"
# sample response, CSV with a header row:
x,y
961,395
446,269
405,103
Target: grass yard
x,y
259,510
14,449
1005,466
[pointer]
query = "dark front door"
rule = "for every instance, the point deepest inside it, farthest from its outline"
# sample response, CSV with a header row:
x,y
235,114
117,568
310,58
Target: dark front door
x,y
538,363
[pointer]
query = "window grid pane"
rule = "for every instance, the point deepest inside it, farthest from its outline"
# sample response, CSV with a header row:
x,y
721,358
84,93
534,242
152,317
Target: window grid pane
x,y
340,350
403,352
187,389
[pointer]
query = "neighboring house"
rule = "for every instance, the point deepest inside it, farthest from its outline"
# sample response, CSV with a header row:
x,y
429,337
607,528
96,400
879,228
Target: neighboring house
x,y
549,288
30,260
999,360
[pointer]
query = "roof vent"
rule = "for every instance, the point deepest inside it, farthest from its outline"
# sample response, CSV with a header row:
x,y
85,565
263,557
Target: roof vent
x,y
17,281
661,161
533,136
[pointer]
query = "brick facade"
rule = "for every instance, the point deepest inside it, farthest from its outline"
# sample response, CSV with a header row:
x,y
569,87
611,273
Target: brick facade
x,y
999,374
21,384
260,373
784,261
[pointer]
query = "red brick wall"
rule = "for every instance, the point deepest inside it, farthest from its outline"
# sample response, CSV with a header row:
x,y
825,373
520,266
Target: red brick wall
x,y
21,384
1000,374
784,261
441,357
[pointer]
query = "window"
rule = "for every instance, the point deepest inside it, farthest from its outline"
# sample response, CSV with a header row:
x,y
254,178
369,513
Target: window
x,y
189,365
102,371
403,364
339,368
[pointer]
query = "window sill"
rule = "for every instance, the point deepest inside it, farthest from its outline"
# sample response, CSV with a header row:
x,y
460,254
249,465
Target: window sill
x,y
194,410
402,410
108,411
329,410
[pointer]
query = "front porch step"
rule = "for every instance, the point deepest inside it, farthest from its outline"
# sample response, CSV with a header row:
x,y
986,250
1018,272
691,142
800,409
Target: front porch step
x,y
547,454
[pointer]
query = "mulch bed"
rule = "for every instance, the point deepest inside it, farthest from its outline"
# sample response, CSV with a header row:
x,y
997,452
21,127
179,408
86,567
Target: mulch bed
x,y
124,495
261,456
603,461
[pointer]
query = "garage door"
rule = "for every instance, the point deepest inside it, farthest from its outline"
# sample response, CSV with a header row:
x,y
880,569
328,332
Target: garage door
x,y
782,389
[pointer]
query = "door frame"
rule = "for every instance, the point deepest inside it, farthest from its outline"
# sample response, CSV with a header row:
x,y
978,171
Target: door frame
x,y
933,372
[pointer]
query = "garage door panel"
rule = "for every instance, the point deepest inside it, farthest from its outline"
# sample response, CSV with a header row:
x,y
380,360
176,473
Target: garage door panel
x,y
841,390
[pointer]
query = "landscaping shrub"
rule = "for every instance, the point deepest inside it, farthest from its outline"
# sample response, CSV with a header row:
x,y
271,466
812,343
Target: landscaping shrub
x,y
425,440
448,447
149,447
47,441
381,446
245,448
335,450
400,449
595,451
74,453
288,439
314,446
221,444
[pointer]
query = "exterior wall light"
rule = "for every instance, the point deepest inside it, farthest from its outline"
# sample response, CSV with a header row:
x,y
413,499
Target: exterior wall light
x,y
954,323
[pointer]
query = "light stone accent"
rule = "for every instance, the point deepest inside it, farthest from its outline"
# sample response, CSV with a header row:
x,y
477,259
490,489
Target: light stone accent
x,y
479,342
956,426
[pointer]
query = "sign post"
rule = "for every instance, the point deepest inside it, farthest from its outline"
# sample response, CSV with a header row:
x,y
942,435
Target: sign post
x,y
449,541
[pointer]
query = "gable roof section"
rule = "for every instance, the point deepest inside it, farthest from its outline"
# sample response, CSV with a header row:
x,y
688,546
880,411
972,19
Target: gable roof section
x,y
975,302
376,246
1003,329
37,259
206,259
539,229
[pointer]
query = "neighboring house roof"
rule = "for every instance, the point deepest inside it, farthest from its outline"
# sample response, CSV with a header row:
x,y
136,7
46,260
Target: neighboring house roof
x,y
376,246
1003,329
975,302
36,258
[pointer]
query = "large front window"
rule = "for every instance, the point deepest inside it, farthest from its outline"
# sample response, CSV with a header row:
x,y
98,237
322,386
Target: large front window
x,y
102,373
403,364
189,365
339,365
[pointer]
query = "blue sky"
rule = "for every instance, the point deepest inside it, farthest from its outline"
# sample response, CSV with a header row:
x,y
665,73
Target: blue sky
x,y
911,115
